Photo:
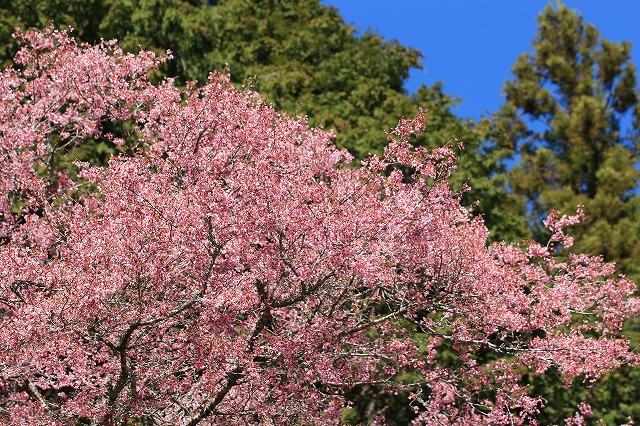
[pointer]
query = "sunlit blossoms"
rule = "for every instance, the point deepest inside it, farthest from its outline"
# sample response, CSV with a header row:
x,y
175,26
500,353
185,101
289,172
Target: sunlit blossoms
x,y
227,267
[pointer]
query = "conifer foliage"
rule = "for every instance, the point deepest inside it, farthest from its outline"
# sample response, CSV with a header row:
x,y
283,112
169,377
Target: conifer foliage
x,y
226,269
573,110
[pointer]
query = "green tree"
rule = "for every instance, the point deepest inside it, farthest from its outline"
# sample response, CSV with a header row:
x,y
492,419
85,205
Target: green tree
x,y
306,60
572,115
572,107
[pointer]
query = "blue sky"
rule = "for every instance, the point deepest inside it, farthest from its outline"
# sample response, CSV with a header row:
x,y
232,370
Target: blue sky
x,y
471,45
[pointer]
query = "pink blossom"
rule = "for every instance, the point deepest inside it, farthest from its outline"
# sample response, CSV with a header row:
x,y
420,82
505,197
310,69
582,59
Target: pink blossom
x,y
226,268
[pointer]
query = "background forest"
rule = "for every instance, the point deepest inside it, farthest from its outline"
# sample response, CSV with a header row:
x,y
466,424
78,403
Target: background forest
x,y
568,128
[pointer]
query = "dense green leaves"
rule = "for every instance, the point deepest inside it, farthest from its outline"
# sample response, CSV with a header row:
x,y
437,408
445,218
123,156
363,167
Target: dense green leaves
x,y
571,112
570,107
305,60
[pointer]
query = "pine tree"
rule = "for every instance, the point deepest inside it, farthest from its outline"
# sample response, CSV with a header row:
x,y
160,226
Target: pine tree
x,y
572,108
571,114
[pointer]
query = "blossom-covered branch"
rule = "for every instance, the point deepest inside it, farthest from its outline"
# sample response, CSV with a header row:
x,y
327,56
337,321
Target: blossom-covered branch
x,y
227,268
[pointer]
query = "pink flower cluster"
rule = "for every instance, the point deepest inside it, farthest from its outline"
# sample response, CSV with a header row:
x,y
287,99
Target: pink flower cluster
x,y
230,270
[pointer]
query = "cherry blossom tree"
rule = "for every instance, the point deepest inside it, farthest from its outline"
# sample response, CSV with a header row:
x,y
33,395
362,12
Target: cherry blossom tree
x,y
228,268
